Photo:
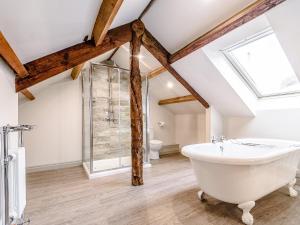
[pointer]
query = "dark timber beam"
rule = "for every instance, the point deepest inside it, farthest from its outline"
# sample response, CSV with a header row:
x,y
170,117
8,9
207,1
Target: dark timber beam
x,y
10,57
76,71
161,54
156,72
249,13
108,11
113,53
58,62
136,108
28,94
187,98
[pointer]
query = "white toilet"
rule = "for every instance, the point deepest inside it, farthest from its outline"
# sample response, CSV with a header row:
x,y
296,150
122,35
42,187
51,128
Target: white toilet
x,y
155,146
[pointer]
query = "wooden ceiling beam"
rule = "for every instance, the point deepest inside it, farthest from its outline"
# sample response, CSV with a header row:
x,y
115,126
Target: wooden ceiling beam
x,y
107,13
187,98
58,62
249,13
161,54
28,94
10,57
76,71
156,72
113,53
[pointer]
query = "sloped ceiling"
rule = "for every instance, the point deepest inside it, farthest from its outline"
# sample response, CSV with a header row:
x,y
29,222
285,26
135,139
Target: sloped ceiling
x,y
158,86
284,20
36,28
175,23
197,70
40,27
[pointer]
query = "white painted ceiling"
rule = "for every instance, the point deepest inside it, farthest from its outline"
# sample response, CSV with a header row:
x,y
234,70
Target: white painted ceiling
x,y
147,62
35,28
175,23
158,85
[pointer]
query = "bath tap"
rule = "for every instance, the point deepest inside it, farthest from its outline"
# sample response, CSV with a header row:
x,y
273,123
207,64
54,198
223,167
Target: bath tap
x,y
215,140
222,138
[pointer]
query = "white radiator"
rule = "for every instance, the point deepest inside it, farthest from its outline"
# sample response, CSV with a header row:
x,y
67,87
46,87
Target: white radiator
x,y
17,182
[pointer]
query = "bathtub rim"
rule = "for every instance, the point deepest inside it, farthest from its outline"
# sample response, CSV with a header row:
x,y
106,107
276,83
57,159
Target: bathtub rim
x,y
189,151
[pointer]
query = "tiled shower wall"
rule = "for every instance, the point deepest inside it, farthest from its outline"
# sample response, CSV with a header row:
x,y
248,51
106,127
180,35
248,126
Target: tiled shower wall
x,y
111,139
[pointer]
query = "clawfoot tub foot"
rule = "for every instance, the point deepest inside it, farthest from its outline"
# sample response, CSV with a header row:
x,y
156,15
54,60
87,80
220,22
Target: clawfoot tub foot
x,y
247,218
293,192
201,195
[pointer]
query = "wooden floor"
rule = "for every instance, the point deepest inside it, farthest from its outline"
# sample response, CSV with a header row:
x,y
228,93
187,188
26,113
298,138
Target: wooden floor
x,y
169,196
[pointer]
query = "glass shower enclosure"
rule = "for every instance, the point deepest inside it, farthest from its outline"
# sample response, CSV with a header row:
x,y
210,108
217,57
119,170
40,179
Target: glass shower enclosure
x,y
106,119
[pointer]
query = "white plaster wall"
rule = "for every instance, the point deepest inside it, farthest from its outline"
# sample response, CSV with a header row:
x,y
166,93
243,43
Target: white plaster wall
x,y
201,125
190,129
159,113
186,129
282,124
57,114
214,123
8,96
8,115
8,100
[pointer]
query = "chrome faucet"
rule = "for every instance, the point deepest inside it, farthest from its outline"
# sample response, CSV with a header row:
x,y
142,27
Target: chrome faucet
x,y
215,140
222,138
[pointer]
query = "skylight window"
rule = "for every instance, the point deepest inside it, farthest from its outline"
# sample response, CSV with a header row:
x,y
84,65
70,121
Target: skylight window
x,y
262,63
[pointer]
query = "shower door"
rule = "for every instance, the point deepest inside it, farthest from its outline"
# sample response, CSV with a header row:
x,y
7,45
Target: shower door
x,y
111,117
106,118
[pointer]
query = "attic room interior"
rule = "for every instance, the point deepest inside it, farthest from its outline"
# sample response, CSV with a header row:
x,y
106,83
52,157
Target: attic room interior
x,y
124,112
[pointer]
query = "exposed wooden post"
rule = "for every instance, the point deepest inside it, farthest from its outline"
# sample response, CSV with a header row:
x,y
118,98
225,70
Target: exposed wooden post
x,y
136,108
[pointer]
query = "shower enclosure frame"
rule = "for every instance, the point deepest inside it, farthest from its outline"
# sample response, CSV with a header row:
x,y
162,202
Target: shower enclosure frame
x,y
146,145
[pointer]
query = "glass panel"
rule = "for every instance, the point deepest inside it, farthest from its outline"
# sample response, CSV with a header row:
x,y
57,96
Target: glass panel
x,y
1,186
146,143
86,125
107,125
263,63
111,118
125,124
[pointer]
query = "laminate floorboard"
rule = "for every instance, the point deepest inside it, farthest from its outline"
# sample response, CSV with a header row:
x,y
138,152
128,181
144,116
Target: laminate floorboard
x,y
168,197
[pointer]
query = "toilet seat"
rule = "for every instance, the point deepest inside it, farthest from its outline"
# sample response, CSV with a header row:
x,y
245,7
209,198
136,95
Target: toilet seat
x,y
156,142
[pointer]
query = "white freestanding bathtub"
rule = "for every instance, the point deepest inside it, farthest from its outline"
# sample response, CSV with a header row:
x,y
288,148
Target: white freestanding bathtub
x,y
242,171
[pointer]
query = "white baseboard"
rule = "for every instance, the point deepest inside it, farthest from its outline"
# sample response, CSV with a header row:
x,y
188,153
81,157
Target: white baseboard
x,y
53,166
